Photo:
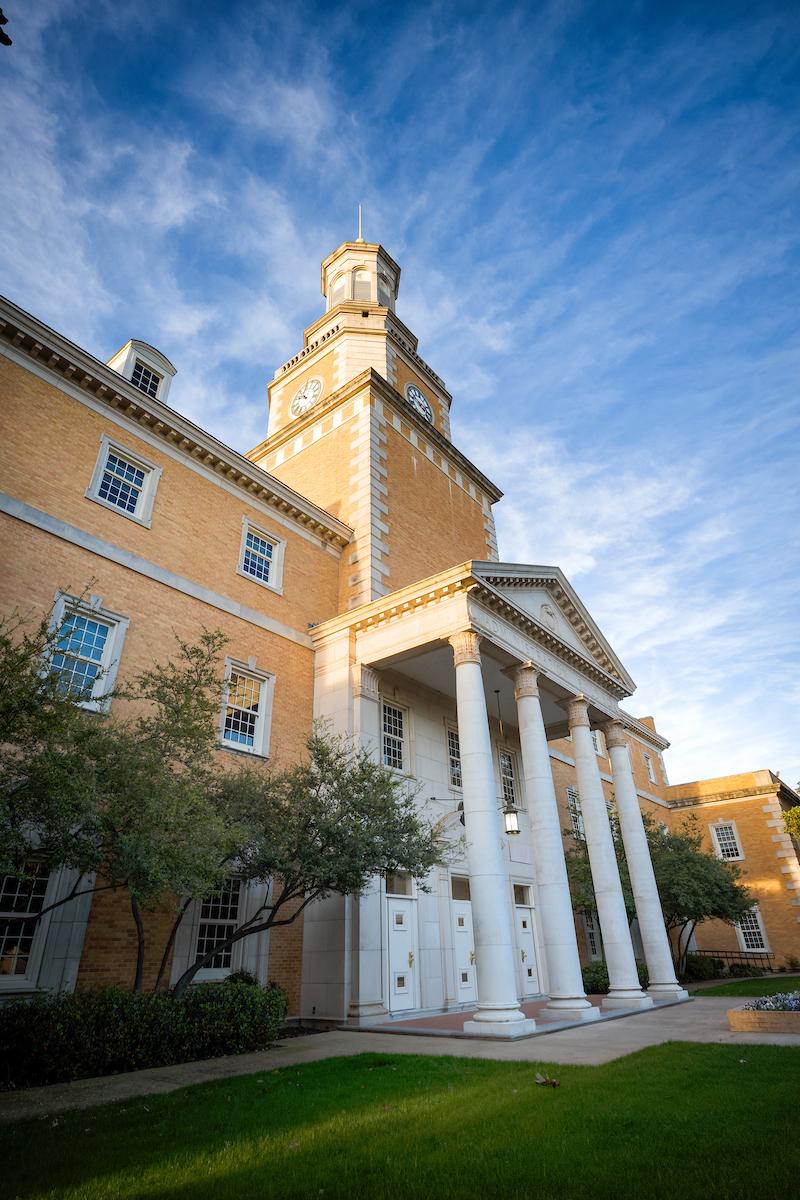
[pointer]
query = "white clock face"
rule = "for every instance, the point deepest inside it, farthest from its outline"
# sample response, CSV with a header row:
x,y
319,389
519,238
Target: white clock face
x,y
306,395
414,396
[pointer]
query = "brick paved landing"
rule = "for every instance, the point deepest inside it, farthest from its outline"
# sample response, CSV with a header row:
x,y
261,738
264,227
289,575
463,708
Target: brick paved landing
x,y
451,1024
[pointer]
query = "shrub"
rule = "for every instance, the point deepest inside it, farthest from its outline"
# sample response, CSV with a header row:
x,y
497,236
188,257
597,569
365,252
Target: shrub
x,y
52,1039
744,970
595,977
792,962
243,976
700,967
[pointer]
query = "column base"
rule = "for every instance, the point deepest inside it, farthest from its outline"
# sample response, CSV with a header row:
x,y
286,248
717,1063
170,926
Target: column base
x,y
500,1029
626,1000
569,1013
667,991
367,1011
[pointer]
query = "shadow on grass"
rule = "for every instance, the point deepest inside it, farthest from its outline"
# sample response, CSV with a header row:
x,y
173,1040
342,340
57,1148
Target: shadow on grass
x,y
676,1119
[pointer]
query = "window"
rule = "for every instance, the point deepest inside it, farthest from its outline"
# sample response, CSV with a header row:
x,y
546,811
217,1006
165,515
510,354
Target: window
x,y
20,897
88,648
575,814
751,931
507,776
219,916
261,556
651,771
454,757
459,887
398,883
144,379
393,736
362,286
726,841
522,894
124,482
246,709
592,934
339,291
597,742
384,291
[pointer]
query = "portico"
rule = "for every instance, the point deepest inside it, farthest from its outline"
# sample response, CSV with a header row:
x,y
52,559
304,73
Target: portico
x,y
500,653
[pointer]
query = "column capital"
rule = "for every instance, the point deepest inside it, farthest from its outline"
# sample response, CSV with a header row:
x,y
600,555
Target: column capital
x,y
615,733
466,647
365,681
526,680
578,711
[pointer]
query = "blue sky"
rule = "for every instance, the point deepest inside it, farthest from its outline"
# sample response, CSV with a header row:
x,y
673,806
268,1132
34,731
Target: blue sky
x,y
595,207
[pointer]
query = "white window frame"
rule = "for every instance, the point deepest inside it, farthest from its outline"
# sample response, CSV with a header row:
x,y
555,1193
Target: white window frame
x,y
592,937
518,800
100,699
450,728
740,934
24,983
717,845
650,767
159,378
575,813
152,474
597,742
275,584
404,740
261,734
209,974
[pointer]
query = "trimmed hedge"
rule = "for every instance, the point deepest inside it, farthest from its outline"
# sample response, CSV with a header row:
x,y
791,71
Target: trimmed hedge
x,y
595,977
53,1039
702,966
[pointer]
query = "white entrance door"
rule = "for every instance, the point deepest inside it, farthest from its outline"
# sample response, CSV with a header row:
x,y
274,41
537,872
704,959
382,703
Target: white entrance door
x,y
463,943
528,973
402,954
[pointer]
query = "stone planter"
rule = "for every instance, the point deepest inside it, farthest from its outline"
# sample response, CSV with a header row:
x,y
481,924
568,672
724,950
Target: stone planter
x,y
742,1021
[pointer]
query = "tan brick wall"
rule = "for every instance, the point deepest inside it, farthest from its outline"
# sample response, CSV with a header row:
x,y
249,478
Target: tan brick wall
x,y
406,374
282,391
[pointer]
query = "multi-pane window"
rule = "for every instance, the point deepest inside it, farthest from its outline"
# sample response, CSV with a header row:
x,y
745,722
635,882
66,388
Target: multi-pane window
x,y
751,931
242,710
393,736
79,656
592,936
507,776
454,757
258,556
20,898
121,483
144,379
651,771
727,842
597,742
219,917
575,814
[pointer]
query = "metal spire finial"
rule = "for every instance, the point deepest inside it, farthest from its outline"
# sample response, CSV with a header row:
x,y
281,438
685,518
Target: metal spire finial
x,y
359,238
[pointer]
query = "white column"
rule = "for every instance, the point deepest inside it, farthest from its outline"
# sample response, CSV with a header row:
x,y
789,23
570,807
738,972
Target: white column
x,y
365,911
498,1013
567,998
663,984
624,991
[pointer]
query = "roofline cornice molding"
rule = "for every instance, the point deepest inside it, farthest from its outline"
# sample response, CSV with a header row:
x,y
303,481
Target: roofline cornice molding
x,y
81,371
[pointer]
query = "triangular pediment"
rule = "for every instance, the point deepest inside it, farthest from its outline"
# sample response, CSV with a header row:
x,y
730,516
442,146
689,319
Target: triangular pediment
x,y
546,596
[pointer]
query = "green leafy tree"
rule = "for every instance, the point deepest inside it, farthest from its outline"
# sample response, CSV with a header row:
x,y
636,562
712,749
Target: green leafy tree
x,y
792,819
326,825
126,803
693,884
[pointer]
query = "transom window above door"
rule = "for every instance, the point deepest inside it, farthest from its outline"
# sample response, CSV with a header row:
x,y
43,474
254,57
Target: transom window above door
x,y
398,883
459,887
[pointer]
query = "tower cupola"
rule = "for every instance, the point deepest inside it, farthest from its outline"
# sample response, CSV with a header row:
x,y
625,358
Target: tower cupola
x,y
360,273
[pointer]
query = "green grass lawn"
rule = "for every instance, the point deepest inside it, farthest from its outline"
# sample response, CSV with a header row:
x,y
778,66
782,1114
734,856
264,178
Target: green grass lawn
x,y
752,987
677,1120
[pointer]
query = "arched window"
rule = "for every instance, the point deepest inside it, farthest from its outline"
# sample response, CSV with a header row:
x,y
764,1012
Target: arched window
x,y
384,291
362,286
339,291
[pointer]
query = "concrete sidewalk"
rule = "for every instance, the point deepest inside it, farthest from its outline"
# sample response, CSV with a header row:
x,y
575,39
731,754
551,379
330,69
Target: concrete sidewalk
x,y
704,1020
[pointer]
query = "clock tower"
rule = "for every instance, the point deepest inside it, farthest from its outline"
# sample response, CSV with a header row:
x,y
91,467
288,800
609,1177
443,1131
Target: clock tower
x,y
360,423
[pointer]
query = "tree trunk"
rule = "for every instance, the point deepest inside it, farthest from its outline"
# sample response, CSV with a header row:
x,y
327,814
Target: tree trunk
x,y
173,933
137,917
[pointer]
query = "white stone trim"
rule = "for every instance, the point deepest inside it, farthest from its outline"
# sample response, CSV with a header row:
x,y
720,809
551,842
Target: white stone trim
x,y
142,566
147,495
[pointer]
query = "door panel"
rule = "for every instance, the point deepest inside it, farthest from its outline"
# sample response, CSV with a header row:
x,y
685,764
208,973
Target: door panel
x,y
464,952
402,955
527,969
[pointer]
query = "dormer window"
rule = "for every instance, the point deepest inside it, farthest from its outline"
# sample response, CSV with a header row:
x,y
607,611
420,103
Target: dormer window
x,y
144,379
362,285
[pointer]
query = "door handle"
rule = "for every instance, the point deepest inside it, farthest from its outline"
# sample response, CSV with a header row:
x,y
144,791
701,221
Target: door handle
x,y
472,958
522,955
411,958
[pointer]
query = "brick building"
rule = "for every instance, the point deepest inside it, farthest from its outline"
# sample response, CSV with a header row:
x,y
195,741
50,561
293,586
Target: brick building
x,y
351,559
